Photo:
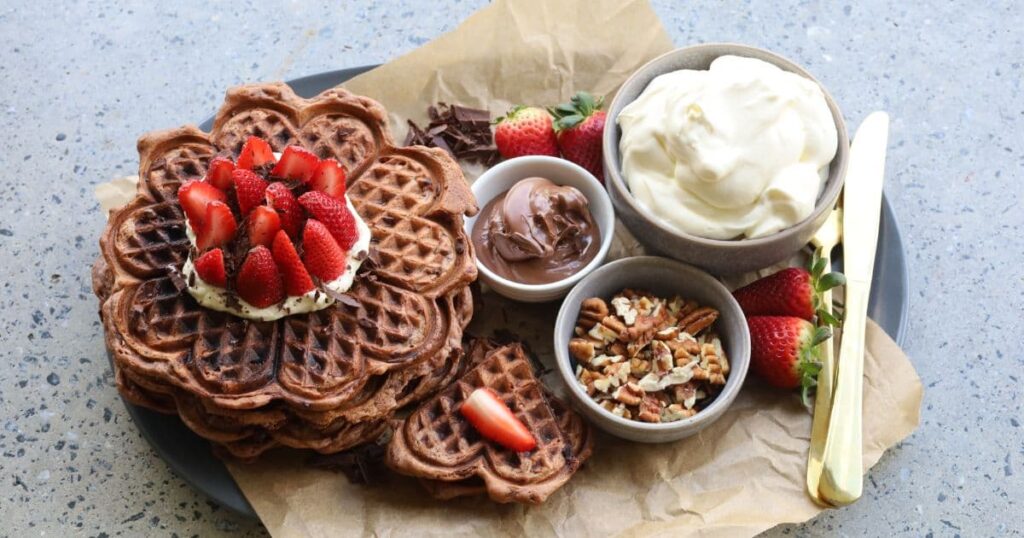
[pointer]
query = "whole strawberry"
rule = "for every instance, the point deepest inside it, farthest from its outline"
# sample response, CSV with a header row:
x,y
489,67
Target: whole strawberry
x,y
579,125
794,291
525,131
783,351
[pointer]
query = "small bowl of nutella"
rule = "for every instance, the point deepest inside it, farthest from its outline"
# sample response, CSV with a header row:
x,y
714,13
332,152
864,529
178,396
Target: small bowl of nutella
x,y
545,223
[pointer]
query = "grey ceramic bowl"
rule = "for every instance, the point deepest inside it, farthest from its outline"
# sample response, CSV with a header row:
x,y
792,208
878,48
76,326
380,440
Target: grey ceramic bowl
x,y
663,277
717,256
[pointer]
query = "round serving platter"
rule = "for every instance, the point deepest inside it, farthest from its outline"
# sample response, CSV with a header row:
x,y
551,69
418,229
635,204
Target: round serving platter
x,y
191,458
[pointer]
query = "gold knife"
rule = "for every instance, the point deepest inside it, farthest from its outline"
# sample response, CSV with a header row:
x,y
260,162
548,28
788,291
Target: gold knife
x,y
842,478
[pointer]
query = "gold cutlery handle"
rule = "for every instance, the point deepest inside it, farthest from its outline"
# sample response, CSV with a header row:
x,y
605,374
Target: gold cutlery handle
x,y
842,479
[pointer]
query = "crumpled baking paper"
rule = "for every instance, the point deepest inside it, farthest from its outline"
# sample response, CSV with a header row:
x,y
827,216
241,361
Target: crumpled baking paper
x,y
738,477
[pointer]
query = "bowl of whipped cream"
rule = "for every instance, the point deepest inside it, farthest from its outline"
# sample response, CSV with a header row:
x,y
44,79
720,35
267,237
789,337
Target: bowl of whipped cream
x,y
725,156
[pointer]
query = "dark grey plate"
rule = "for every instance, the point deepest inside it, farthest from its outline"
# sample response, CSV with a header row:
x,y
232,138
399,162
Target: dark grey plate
x,y
190,456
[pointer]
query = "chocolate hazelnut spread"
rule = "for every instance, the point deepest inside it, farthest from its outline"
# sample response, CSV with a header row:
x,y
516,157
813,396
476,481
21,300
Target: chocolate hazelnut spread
x,y
536,232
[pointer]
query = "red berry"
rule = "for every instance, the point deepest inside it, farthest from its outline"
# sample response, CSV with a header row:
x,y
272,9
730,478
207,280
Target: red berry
x,y
210,268
296,163
334,214
287,207
329,177
321,253
218,226
296,278
255,153
219,173
495,421
193,196
580,127
525,131
249,189
259,281
783,351
263,225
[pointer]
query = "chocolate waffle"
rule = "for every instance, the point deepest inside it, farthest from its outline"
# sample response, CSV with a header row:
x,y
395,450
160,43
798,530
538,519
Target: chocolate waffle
x,y
436,443
322,380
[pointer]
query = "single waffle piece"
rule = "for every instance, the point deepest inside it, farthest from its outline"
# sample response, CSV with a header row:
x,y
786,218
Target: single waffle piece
x,y
351,364
438,445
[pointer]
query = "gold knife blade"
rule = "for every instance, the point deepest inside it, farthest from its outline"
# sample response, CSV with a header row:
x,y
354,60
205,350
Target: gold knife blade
x,y
842,478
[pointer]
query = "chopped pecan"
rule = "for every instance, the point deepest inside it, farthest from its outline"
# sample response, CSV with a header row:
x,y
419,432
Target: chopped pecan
x,y
650,409
592,311
625,310
698,320
618,348
667,334
639,367
582,350
662,357
629,394
614,324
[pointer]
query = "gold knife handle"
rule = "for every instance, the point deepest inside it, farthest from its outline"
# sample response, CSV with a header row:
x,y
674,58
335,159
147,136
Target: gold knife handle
x,y
842,479
822,405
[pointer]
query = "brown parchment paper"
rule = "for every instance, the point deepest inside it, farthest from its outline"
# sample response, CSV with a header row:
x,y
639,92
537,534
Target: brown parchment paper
x,y
740,476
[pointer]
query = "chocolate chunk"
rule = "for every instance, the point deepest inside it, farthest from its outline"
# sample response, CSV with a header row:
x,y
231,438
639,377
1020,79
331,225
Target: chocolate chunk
x,y
463,132
361,465
176,278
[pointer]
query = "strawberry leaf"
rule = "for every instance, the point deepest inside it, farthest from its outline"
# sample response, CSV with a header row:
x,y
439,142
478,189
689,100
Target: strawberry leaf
x,y
827,318
820,335
830,281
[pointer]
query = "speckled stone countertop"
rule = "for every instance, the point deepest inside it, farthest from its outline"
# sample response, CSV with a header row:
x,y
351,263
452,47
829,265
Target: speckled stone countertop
x,y
80,82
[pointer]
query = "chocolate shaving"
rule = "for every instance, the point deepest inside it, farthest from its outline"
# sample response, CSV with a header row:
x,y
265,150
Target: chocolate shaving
x,y
361,465
342,298
176,279
463,132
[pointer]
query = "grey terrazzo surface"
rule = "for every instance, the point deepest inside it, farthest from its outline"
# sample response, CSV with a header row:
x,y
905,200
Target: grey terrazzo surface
x,y
81,81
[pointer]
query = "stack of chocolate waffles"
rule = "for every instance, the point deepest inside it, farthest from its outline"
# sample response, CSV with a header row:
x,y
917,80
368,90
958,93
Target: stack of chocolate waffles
x,y
326,380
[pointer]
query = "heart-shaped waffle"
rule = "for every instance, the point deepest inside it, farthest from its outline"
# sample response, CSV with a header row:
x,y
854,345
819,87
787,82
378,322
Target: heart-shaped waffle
x,y
438,445
397,318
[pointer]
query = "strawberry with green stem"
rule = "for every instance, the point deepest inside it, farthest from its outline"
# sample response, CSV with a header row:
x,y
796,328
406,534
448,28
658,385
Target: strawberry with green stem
x,y
794,291
784,351
579,125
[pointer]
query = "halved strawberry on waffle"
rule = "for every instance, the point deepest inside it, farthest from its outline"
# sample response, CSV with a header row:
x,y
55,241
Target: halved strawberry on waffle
x,y
271,236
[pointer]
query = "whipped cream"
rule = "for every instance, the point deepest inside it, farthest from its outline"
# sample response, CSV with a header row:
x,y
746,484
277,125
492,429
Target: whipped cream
x,y
739,150
216,298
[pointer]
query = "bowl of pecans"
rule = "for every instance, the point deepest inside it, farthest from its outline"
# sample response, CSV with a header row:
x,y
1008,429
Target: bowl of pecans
x,y
651,349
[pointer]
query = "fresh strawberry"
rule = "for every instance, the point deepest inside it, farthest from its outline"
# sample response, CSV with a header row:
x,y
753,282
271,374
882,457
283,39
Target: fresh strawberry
x,y
249,189
210,268
495,421
218,173
580,126
525,131
263,225
218,226
783,350
193,196
791,292
320,252
296,278
296,163
334,214
259,281
329,177
255,153
287,207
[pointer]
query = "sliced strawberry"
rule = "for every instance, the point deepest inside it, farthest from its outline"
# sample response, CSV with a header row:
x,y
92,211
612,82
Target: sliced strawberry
x,y
329,177
296,163
495,421
255,153
334,214
210,268
193,196
259,281
321,253
218,226
249,189
287,207
296,278
219,173
263,225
